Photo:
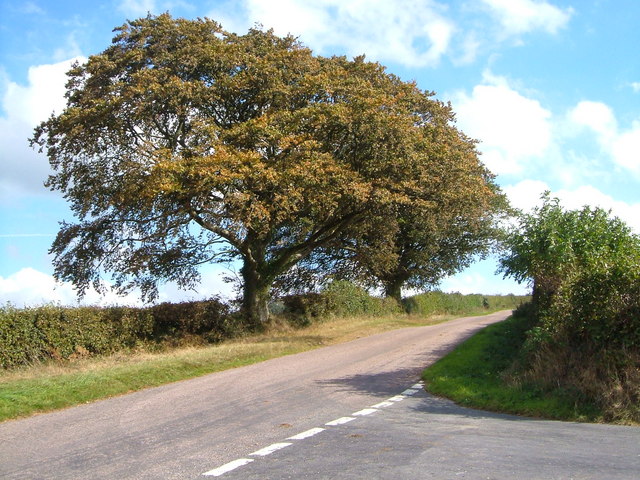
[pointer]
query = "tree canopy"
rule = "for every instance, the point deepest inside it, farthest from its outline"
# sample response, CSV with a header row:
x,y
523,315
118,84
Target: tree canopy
x,y
183,144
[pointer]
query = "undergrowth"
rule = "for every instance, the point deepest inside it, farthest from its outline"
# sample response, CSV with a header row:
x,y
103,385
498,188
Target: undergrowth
x,y
479,373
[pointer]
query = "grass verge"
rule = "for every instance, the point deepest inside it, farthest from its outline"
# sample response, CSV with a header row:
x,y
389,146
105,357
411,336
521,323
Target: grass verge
x,y
64,383
476,374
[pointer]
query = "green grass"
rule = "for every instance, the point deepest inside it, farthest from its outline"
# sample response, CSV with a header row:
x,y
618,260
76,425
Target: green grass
x,y
476,374
60,386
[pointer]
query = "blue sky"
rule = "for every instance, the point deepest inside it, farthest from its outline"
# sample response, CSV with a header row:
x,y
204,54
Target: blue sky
x,y
551,88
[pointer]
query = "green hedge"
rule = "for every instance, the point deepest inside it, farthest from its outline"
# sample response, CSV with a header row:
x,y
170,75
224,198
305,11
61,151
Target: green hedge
x,y
439,303
340,298
35,334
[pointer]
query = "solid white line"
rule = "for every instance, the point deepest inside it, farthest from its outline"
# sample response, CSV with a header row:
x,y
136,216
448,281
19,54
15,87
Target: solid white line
x,y
397,398
409,391
263,452
307,434
364,411
386,403
227,467
419,386
339,421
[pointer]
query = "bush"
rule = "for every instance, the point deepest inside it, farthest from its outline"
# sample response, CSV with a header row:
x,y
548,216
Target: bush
x,y
585,269
51,331
598,310
20,340
347,299
439,303
209,319
303,309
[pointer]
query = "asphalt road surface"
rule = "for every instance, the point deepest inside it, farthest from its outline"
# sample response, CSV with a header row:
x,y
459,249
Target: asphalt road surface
x,y
348,411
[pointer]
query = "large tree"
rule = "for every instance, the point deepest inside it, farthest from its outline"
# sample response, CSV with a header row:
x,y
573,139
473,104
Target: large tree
x,y
417,244
183,144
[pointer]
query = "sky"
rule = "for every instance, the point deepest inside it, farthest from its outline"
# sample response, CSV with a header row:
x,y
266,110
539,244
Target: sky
x,y
550,88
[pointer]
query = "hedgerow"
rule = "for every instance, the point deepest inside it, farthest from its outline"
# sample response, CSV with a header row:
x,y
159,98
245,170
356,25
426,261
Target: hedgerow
x,y
36,334
584,266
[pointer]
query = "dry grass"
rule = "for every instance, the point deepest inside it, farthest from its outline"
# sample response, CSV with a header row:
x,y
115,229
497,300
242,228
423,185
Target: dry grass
x,y
611,382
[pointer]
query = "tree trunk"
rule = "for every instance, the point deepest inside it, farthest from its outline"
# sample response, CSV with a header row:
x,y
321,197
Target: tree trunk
x,y
255,300
393,289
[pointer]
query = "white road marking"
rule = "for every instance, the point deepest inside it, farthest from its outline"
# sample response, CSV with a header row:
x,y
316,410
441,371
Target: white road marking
x,y
307,434
216,472
227,467
386,403
339,421
263,452
365,411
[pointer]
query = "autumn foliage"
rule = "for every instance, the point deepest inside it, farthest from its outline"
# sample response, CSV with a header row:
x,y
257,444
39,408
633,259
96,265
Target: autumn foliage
x,y
183,144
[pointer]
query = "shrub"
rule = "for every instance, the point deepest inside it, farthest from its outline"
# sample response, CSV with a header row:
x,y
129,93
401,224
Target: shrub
x,y
347,299
51,331
20,340
439,303
301,310
585,269
339,298
209,318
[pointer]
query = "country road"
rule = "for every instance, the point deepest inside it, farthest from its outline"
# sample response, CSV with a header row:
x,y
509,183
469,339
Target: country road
x,y
352,410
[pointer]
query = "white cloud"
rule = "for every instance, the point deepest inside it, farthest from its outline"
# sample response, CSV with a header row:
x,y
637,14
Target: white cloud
x,y
24,107
623,146
512,128
522,16
410,32
470,47
595,115
31,8
626,149
525,195
35,102
29,287
635,86
480,278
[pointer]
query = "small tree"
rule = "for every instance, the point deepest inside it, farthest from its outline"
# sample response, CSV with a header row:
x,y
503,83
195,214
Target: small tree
x,y
584,266
551,248
183,144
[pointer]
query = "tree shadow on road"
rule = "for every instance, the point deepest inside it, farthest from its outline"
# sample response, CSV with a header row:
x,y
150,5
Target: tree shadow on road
x,y
388,382
379,384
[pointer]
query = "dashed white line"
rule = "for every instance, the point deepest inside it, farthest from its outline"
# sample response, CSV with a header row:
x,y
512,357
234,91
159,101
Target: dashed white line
x,y
227,467
386,403
397,398
339,421
365,411
263,452
309,433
